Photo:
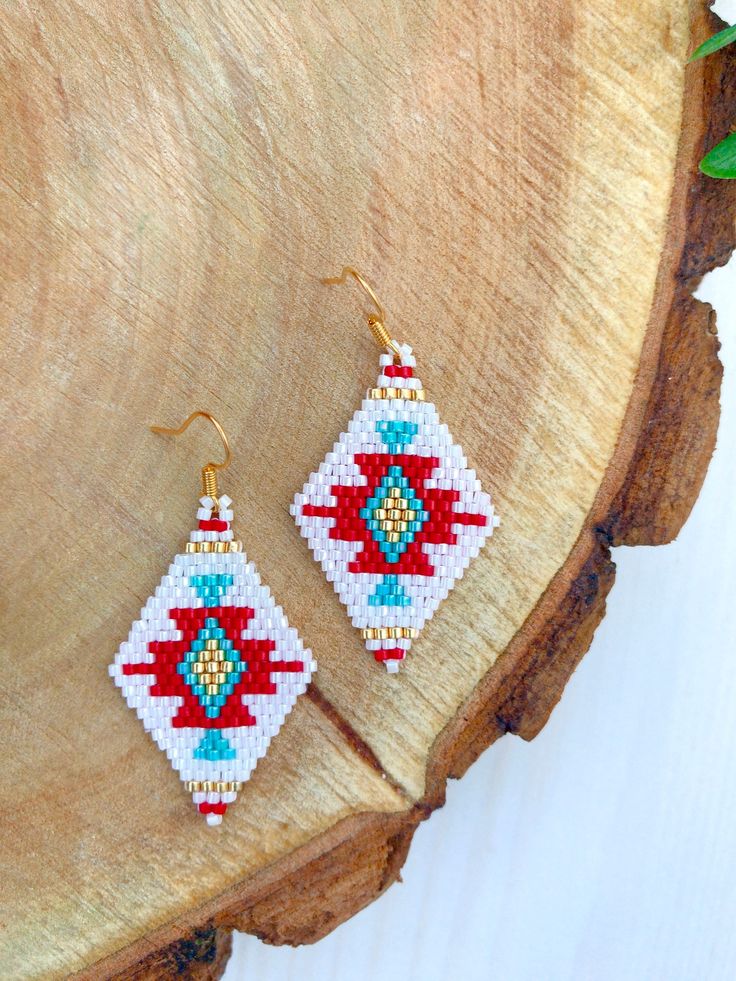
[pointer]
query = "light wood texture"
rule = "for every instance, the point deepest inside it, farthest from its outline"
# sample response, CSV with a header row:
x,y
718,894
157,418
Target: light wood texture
x,y
518,185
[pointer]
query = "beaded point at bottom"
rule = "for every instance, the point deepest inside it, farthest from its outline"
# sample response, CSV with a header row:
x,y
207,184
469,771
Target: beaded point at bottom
x,y
393,514
212,667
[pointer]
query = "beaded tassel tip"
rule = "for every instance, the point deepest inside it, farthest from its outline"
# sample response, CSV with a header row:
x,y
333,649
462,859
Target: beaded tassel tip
x,y
212,667
393,514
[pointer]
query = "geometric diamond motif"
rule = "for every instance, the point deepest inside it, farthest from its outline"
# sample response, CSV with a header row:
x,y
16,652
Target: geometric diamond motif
x,y
393,514
212,666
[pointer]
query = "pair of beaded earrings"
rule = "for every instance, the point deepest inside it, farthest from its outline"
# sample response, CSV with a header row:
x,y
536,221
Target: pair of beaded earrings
x,y
393,515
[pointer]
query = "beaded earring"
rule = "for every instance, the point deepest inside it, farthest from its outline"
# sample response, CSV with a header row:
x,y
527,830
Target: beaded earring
x,y
212,667
393,514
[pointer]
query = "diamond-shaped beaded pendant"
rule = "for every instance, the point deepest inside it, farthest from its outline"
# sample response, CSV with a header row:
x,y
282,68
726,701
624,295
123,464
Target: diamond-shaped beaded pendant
x,y
393,514
212,667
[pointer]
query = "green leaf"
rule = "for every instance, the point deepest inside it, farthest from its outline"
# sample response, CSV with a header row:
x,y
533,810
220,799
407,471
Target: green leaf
x,y
721,161
715,43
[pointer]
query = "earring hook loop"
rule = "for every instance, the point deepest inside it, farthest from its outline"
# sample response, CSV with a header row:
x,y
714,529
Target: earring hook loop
x,y
209,470
375,322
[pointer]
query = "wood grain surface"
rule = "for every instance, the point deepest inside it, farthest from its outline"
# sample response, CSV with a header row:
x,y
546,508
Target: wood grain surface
x,y
518,183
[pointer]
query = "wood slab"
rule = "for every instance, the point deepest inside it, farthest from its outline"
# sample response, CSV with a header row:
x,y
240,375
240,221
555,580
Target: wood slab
x,y
519,182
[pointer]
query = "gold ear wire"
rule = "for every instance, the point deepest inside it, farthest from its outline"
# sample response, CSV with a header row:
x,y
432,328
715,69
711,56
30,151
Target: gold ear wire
x,y
209,470
378,329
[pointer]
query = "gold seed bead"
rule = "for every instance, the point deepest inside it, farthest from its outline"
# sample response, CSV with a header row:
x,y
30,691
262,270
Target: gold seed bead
x,y
408,394
214,547
386,633
206,786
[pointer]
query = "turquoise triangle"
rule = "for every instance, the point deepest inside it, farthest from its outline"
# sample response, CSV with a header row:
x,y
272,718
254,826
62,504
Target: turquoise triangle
x,y
389,593
214,746
211,588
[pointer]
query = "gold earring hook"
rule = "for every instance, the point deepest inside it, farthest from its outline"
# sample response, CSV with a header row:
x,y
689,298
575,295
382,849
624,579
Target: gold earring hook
x,y
378,329
209,470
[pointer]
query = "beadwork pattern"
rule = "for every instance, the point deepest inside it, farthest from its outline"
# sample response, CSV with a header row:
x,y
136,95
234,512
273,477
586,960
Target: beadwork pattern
x,y
393,514
212,667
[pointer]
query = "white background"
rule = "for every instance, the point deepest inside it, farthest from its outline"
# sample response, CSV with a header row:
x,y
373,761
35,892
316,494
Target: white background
x,y
604,850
